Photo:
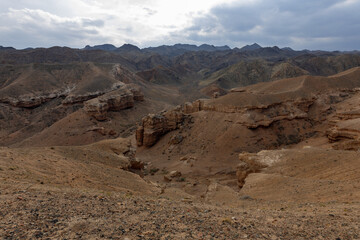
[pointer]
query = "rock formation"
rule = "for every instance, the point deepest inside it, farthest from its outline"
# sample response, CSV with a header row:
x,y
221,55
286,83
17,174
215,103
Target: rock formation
x,y
113,101
344,131
302,102
154,126
254,162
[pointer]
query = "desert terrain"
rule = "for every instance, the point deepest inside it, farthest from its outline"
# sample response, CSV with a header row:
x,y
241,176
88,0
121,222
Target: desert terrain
x,y
179,142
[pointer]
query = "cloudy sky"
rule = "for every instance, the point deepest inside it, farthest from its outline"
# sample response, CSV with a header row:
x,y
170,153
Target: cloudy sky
x,y
305,24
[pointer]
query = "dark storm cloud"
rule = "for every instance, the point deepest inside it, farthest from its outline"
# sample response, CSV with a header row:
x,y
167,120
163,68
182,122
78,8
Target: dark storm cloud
x,y
322,24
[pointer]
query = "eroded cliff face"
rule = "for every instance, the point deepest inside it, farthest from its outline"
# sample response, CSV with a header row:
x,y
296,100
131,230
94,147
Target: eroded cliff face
x,y
299,174
36,99
153,126
310,111
33,85
344,126
254,163
271,114
117,100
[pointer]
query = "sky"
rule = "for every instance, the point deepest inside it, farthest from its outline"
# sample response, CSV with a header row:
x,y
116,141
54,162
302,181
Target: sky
x,y
305,24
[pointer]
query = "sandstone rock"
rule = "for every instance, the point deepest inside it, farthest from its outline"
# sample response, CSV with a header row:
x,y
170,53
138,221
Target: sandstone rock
x,y
32,100
174,174
113,101
344,130
335,134
254,162
72,98
136,91
167,178
196,106
155,125
139,135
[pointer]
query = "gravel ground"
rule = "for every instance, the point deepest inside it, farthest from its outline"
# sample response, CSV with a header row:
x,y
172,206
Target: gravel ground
x,y
78,214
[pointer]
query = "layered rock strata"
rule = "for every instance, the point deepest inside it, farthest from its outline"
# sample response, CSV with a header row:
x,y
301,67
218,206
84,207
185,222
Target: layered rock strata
x,y
113,101
153,126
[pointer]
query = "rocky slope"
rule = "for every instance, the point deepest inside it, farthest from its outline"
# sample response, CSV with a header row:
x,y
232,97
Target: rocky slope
x,y
301,101
92,192
274,160
273,115
272,175
247,72
40,99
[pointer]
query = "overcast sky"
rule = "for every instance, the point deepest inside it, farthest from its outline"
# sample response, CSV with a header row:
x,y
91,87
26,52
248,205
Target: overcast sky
x,y
300,24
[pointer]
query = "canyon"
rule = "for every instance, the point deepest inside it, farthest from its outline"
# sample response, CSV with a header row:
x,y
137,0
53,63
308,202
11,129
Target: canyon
x,y
179,142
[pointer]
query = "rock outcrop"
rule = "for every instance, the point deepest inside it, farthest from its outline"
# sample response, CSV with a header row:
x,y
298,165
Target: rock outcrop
x,y
113,101
33,100
154,126
344,131
254,116
336,134
304,101
79,98
254,162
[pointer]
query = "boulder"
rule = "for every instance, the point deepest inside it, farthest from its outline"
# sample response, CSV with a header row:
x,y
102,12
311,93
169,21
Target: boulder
x,y
174,174
171,175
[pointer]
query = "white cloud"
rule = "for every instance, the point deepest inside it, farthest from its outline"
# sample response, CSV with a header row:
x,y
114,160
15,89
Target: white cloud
x,y
40,28
75,23
93,21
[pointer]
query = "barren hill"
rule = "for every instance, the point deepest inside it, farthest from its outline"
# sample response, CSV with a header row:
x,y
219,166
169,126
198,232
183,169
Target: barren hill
x,y
204,138
55,98
120,144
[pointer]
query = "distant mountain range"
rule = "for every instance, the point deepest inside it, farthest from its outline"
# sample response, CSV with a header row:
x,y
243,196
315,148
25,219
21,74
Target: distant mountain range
x,y
180,49
168,50
250,47
6,48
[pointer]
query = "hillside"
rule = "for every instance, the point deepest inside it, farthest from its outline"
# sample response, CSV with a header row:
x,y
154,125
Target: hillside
x,y
40,99
204,138
179,142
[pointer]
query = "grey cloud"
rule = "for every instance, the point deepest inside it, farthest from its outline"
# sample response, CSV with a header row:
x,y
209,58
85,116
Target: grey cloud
x,y
322,24
92,23
150,12
34,28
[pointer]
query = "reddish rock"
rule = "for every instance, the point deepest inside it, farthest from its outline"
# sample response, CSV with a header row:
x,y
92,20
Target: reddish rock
x,y
155,125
